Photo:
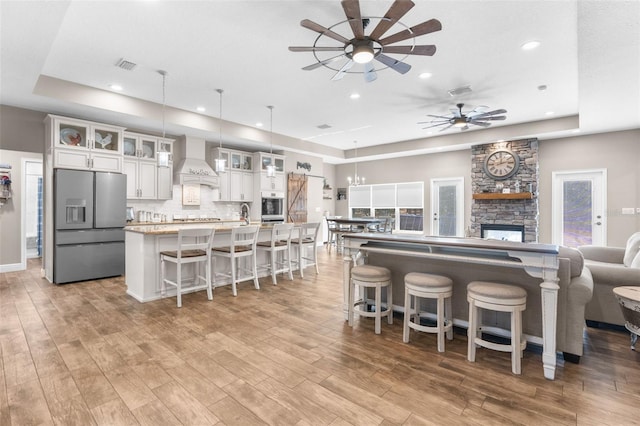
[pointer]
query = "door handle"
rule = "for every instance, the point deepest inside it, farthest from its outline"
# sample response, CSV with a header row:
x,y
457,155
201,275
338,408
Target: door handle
x,y
598,223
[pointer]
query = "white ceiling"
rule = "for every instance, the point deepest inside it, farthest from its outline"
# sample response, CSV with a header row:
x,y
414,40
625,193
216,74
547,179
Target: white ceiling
x,y
589,59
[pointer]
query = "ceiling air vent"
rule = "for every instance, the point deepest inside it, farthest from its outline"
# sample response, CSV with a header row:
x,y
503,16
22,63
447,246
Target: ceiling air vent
x,y
460,91
324,126
126,65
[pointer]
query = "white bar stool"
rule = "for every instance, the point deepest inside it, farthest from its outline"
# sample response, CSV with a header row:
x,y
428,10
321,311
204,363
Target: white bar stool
x,y
307,238
428,286
280,243
369,276
243,244
194,246
502,298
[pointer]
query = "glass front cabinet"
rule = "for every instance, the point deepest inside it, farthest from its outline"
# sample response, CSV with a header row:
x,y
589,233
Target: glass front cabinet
x,y
85,145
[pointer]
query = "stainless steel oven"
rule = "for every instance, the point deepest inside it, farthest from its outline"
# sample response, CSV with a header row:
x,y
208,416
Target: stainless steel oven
x,y
272,207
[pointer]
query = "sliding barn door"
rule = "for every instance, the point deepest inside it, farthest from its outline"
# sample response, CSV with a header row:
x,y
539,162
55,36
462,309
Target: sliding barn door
x,y
297,198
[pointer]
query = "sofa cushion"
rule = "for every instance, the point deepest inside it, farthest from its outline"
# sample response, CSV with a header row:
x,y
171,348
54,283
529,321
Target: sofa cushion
x,y
632,249
575,258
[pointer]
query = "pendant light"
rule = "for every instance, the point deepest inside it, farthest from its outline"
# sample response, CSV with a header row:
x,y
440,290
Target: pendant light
x,y
163,156
220,162
271,168
357,180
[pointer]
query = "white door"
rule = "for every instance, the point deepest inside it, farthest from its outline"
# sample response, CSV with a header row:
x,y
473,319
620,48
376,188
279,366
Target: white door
x,y
447,207
579,203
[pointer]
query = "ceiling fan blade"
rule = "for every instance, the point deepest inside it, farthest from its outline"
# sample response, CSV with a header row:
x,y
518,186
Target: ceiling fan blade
x,y
397,10
444,117
346,67
427,27
315,49
369,72
321,63
352,11
497,117
425,50
396,65
322,30
446,128
497,111
480,123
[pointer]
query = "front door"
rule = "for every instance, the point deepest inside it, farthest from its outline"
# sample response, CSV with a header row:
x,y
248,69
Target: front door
x,y
579,204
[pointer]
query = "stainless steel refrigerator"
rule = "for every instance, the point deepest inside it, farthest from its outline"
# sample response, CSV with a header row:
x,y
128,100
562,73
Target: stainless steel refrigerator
x,y
89,211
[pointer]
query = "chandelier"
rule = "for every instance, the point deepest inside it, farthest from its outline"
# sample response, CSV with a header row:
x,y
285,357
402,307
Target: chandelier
x,y
357,180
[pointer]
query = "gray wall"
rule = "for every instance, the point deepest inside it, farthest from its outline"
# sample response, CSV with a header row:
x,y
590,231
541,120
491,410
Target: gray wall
x,y
618,152
21,137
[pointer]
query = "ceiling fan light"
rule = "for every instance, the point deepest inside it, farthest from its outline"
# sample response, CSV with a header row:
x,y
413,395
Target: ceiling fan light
x,y
362,54
460,122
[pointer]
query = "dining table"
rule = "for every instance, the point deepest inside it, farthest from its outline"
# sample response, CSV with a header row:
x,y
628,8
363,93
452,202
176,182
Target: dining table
x,y
345,225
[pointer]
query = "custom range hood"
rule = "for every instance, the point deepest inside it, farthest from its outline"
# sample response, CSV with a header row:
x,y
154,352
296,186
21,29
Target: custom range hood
x,y
193,169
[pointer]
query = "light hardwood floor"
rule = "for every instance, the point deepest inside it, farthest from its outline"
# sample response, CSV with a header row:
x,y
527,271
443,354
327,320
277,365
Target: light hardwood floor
x,y
86,353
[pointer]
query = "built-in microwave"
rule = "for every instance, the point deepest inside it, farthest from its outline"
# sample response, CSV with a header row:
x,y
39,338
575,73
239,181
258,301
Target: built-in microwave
x,y
272,206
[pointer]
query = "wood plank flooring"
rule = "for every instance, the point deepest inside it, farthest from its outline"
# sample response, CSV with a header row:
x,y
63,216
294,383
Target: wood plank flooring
x,y
87,354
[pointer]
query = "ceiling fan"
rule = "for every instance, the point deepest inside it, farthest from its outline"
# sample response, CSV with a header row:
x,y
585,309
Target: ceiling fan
x,y
462,120
363,48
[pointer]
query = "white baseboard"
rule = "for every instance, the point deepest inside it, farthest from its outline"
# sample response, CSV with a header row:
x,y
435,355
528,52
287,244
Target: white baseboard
x,y
14,267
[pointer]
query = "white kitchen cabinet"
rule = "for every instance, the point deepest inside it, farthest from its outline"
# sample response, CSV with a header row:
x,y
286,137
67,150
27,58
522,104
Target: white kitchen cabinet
x,y
240,186
236,182
276,183
85,145
139,146
165,182
241,161
272,183
141,179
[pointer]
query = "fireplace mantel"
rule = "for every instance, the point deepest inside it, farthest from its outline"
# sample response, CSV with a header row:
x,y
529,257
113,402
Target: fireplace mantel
x,y
501,196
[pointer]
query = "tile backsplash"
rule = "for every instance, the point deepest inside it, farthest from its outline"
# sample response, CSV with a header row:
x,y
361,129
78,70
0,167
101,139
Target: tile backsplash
x,y
208,207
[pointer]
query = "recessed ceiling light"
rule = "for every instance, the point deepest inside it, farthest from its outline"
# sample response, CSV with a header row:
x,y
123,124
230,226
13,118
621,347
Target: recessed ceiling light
x,y
530,45
425,75
354,95
549,113
115,87
201,109
259,124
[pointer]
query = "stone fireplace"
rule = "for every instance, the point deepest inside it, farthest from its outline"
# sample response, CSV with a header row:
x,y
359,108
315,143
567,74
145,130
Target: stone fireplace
x,y
518,205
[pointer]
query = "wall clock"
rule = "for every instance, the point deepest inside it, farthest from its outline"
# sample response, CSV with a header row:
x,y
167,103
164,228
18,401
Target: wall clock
x,y
501,164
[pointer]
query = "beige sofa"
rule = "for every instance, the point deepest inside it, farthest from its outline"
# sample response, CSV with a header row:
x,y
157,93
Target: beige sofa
x,y
576,288
611,267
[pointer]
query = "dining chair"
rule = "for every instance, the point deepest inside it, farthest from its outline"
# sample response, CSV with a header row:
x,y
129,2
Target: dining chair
x,y
194,247
279,250
307,238
242,245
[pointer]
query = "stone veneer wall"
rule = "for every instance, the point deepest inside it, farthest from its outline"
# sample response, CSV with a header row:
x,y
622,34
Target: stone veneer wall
x,y
507,212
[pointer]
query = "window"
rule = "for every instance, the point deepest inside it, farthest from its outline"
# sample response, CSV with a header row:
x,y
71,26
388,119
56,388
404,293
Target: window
x,y
402,202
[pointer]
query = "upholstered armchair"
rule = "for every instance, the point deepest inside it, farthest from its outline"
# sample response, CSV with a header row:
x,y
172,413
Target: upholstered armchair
x,y
611,267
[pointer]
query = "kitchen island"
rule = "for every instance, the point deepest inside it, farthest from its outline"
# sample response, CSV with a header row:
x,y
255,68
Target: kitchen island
x,y
144,242
464,260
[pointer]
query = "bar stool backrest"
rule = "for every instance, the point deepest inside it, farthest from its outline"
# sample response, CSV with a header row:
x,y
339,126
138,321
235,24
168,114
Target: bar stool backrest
x,y
195,239
244,236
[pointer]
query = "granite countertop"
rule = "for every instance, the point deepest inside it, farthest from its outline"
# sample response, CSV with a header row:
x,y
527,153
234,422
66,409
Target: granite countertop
x,y
167,228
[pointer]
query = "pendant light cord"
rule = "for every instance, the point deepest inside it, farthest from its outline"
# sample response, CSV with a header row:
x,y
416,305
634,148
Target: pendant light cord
x,y
220,91
164,80
271,130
